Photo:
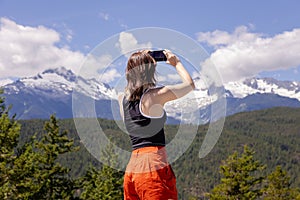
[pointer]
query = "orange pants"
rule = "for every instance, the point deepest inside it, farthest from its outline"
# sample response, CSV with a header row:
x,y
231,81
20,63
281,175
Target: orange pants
x,y
148,176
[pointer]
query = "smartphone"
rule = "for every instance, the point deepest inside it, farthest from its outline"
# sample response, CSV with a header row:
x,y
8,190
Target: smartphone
x,y
158,55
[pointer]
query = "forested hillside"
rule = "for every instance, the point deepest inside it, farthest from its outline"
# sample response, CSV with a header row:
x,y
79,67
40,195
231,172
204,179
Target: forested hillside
x,y
274,135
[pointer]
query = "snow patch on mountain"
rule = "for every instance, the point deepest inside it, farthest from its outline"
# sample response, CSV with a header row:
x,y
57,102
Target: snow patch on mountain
x,y
4,82
241,89
61,82
186,108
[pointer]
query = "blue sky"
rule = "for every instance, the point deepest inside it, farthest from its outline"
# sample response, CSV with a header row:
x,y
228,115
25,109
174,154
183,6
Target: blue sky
x,y
244,38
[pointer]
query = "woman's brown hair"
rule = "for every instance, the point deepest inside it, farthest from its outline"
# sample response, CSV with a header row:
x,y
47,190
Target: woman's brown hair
x,y
140,75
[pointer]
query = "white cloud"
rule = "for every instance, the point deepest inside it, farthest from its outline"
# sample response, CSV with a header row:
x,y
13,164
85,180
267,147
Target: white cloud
x,y
168,77
110,76
64,31
219,38
104,16
25,50
4,82
128,43
69,35
124,26
244,54
94,65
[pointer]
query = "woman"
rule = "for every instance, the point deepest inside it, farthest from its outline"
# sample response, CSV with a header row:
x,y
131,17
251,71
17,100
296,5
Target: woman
x,y
148,175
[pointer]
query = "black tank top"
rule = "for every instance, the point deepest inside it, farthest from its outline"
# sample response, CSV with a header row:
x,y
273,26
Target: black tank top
x,y
143,130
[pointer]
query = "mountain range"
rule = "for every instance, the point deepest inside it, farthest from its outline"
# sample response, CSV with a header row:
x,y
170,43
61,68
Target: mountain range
x,y
51,92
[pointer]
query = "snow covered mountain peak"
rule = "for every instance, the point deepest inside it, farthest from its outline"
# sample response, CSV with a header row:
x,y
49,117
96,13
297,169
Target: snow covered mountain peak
x,y
63,72
59,82
250,86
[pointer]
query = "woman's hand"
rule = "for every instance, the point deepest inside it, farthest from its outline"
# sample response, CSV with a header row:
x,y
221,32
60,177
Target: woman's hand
x,y
172,59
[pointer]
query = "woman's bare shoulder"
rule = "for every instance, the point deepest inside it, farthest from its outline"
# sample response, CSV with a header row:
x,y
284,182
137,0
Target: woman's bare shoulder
x,y
153,95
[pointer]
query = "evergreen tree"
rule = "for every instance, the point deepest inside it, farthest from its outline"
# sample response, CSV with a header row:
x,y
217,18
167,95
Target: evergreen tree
x,y
278,186
9,134
26,171
240,179
17,166
106,183
53,179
